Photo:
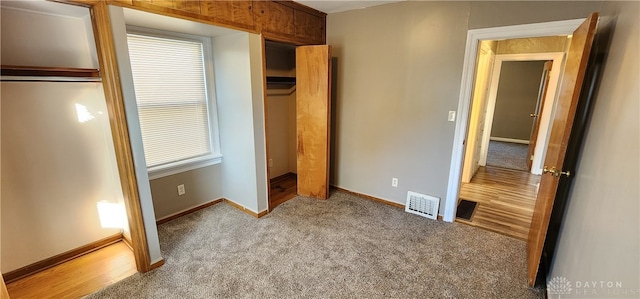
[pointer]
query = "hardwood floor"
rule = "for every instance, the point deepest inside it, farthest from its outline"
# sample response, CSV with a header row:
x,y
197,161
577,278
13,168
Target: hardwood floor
x,y
505,198
283,188
78,277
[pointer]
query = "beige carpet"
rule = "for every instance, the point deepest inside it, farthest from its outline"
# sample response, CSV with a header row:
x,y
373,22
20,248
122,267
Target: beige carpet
x,y
508,155
344,247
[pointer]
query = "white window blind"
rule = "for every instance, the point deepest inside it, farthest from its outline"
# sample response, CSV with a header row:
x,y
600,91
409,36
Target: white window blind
x,y
171,94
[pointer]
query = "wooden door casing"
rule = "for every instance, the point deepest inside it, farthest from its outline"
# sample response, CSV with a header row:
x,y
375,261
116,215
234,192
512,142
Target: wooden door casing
x,y
573,77
313,119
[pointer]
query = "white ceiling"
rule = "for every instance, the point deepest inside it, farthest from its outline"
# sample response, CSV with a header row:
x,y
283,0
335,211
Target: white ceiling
x,y
333,6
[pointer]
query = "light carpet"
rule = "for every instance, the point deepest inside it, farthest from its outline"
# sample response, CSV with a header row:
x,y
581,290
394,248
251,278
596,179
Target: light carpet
x,y
337,248
508,155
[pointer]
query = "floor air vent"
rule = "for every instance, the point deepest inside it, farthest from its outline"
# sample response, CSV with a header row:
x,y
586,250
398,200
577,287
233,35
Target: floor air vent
x,y
423,205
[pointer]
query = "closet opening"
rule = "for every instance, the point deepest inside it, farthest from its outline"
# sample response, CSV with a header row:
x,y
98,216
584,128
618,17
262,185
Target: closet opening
x,y
280,102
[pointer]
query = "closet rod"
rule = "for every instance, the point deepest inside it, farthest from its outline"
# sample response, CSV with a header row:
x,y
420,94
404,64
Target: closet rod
x,y
41,71
47,79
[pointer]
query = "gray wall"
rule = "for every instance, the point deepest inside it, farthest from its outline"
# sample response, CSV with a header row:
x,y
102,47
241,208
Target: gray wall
x,y
516,99
399,73
399,70
202,185
599,239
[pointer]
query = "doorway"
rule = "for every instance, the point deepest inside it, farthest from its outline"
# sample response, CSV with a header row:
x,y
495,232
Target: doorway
x,y
280,65
508,132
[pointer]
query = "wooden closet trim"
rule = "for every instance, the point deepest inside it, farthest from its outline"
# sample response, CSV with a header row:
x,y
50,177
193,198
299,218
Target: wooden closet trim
x,y
117,119
176,13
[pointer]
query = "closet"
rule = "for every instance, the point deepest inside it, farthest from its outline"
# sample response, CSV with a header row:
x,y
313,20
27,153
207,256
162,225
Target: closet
x,y
281,121
61,192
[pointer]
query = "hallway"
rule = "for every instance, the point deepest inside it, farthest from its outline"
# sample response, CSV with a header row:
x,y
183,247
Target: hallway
x,y
505,198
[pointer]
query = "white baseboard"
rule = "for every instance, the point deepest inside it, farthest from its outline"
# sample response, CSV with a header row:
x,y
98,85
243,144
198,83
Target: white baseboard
x,y
509,140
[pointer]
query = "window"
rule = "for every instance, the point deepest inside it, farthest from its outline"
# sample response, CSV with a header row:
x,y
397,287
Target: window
x,y
177,116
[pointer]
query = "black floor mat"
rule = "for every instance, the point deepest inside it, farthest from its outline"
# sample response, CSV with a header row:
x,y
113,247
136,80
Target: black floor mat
x,y
465,209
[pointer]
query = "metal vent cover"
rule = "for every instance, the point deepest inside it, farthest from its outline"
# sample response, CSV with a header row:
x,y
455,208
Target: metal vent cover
x,y
423,205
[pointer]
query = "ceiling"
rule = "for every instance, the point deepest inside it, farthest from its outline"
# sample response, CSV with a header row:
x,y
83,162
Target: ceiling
x,y
333,6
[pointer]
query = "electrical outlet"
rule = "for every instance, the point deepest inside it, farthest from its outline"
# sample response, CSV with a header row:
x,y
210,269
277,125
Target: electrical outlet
x,y
394,182
181,190
270,162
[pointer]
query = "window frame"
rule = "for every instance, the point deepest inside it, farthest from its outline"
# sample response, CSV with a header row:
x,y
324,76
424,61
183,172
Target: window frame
x,y
215,157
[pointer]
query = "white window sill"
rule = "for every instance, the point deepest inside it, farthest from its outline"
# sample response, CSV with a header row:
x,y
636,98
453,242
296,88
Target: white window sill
x,y
171,169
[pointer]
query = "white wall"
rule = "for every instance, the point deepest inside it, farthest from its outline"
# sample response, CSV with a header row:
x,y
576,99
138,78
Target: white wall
x,y
118,27
37,39
600,235
282,131
477,117
55,169
238,73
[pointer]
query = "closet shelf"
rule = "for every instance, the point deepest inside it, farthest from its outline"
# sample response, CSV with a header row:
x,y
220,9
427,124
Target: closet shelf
x,y
280,82
39,71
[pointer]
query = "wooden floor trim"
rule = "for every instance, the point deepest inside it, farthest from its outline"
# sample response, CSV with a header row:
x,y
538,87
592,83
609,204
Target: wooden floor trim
x,y
60,258
241,208
369,197
157,264
282,177
189,211
373,198
127,241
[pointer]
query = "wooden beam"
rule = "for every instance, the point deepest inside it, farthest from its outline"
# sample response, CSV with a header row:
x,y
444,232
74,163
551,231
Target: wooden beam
x,y
117,119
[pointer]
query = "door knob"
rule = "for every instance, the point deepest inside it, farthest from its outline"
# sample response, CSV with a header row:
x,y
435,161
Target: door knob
x,y
553,171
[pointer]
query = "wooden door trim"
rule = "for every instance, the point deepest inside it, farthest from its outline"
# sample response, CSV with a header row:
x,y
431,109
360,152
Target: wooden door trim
x,y
117,119
474,36
265,112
